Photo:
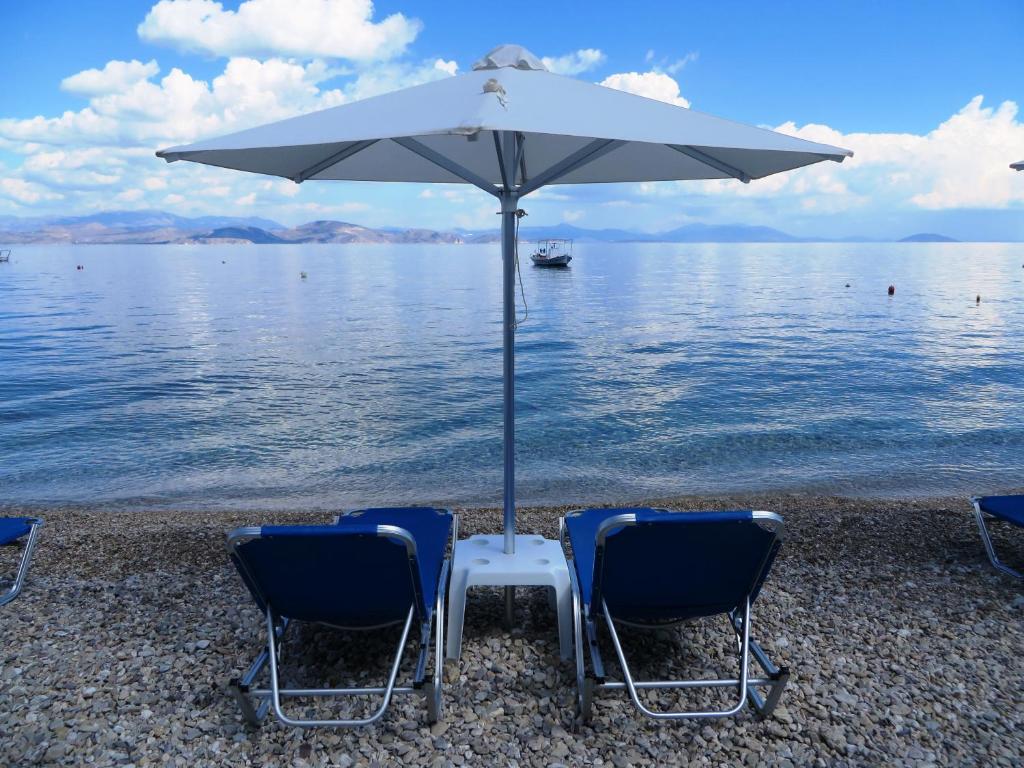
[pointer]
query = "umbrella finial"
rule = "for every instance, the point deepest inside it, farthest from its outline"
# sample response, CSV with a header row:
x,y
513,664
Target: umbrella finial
x,y
510,56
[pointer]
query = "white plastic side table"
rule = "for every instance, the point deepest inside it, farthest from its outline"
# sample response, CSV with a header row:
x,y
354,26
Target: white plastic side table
x,y
481,561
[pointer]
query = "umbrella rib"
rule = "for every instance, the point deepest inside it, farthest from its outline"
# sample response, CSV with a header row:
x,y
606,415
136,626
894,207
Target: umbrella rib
x,y
520,162
713,162
501,160
337,157
589,153
446,163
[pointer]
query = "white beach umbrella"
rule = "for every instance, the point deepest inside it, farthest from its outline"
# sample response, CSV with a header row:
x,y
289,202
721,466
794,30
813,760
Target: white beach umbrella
x,y
508,127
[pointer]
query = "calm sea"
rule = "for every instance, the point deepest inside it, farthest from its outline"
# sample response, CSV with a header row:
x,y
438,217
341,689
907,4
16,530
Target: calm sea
x,y
216,376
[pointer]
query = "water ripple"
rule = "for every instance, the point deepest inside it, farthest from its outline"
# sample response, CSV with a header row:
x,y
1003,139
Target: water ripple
x,y
162,376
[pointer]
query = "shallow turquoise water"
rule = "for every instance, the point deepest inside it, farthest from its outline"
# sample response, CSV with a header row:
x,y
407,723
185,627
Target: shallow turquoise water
x,y
159,375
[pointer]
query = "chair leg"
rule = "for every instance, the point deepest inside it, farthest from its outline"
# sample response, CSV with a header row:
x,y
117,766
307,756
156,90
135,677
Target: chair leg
x,y
276,692
584,686
780,679
776,677
240,693
433,689
26,558
989,547
241,688
632,686
456,613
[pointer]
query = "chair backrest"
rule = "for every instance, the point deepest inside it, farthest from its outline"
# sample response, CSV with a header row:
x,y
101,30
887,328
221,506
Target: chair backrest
x,y
348,576
1009,508
13,528
659,566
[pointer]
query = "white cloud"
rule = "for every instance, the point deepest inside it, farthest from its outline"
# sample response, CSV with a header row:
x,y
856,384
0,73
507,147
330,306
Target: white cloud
x,y
283,187
391,76
448,67
653,85
333,209
68,159
84,159
303,28
111,141
478,217
959,164
575,63
449,193
22,191
671,66
115,76
179,108
132,195
81,169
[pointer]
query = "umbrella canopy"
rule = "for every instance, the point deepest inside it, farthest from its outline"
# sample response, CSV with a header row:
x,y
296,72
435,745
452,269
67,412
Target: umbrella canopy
x,y
626,137
508,127
1018,166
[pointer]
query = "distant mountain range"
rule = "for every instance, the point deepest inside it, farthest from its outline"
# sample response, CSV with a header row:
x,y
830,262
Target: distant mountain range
x,y
156,227
928,237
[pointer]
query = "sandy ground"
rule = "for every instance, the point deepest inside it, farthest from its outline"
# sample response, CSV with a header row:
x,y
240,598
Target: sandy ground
x,y
906,648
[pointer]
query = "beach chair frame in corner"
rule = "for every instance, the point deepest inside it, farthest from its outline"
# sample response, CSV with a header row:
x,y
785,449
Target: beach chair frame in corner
x,y
981,517
35,524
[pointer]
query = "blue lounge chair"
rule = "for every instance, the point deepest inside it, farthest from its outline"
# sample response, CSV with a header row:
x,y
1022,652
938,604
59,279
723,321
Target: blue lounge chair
x,y
1009,509
11,530
370,569
654,568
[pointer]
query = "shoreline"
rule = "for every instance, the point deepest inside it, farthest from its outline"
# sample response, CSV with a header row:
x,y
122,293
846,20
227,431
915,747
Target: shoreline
x,y
902,640
697,501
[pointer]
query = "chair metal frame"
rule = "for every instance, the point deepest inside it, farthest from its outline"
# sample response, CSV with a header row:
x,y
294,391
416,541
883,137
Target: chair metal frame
x,y
986,538
26,558
775,678
256,702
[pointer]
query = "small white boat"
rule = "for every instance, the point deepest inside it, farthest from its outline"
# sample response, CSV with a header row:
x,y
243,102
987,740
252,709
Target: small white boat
x,y
554,252
5,255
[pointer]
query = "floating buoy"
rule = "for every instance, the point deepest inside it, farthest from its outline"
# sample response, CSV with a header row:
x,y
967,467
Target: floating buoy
x,y
302,275
847,285
892,290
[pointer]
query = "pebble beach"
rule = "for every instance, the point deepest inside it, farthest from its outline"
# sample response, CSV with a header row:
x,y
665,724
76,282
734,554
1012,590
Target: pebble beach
x,y
905,648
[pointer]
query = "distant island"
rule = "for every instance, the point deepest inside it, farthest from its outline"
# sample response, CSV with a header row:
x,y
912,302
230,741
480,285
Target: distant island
x,y
159,227
928,237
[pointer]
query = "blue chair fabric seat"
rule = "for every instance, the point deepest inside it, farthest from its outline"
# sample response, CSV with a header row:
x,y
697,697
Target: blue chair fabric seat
x,y
13,528
431,528
652,574
654,567
346,574
369,569
1008,508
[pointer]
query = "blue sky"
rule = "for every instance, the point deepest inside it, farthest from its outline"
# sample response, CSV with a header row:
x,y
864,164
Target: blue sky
x,y
926,95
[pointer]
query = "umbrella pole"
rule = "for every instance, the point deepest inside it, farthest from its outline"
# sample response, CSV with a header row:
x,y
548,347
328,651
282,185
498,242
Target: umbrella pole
x,y
508,268
509,203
